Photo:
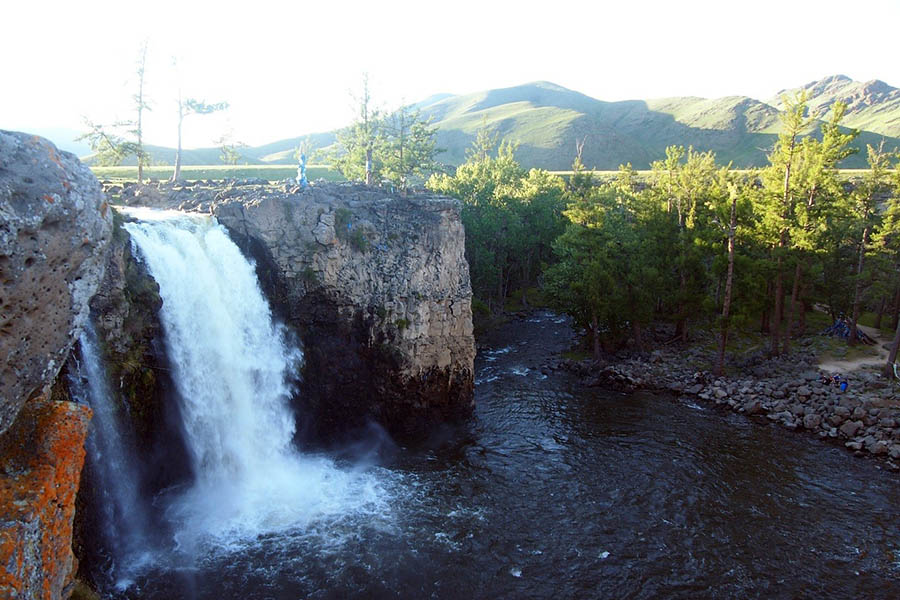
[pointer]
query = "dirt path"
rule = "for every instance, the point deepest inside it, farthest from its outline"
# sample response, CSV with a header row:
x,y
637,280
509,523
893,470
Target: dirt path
x,y
833,365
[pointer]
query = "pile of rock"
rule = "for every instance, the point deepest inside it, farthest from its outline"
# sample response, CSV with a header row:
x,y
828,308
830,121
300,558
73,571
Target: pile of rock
x,y
789,391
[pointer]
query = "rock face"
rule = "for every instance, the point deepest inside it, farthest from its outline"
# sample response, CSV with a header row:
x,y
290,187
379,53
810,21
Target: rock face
x,y
54,228
378,288
42,454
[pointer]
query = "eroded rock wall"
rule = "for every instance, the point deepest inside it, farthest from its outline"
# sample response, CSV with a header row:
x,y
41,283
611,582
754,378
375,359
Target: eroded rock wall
x,y
378,287
54,229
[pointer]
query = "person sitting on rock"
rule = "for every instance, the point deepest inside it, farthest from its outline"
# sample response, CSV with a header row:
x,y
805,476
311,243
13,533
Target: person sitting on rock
x,y
840,381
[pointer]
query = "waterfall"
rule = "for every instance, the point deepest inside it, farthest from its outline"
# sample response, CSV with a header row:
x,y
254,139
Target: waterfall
x,y
123,520
233,367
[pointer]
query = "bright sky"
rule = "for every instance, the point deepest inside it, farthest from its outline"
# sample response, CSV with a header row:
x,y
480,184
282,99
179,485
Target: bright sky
x,y
287,69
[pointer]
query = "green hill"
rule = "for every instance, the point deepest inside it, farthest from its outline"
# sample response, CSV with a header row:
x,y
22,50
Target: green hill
x,y
872,106
548,120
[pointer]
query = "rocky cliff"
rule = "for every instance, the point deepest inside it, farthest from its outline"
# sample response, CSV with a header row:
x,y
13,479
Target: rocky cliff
x,y
54,228
375,284
378,288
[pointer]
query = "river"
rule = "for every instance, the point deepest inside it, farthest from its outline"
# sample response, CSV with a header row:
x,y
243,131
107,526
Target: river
x,y
553,490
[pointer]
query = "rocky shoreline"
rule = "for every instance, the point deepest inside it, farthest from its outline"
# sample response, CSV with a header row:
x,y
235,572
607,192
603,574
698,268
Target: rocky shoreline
x,y
789,391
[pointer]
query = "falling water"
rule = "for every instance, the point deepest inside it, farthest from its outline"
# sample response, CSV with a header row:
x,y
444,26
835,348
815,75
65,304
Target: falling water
x,y
123,519
233,367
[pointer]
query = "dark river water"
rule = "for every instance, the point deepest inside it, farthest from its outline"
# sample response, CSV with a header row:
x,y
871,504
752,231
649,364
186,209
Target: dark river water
x,y
557,491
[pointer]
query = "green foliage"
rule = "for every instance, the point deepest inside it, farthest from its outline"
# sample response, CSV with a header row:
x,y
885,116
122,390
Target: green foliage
x,y
342,217
344,229
109,145
511,218
631,249
358,239
398,148
408,147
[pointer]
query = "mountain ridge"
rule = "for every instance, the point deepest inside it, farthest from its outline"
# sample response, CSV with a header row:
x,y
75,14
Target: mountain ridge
x,y
547,120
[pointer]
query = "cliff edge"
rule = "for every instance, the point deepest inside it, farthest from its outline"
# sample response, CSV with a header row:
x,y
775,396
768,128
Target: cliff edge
x,y
378,288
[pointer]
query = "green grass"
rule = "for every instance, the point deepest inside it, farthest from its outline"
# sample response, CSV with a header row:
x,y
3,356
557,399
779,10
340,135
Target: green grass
x,y
195,172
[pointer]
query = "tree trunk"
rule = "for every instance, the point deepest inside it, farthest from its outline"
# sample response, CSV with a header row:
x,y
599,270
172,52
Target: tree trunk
x,y
776,316
595,331
176,175
880,314
782,245
895,320
638,338
888,370
140,115
857,292
681,325
370,177
802,329
729,278
795,294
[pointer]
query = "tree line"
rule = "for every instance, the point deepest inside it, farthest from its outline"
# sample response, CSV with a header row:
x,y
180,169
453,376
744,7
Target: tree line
x,y
693,241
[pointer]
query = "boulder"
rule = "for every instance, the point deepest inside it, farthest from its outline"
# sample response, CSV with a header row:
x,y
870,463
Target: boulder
x,y
55,226
753,407
812,421
850,428
836,420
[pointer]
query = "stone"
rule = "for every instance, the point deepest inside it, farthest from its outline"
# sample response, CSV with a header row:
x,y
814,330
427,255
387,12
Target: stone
x,y
753,407
324,230
878,448
55,226
836,420
43,453
850,428
804,392
695,389
812,421
797,409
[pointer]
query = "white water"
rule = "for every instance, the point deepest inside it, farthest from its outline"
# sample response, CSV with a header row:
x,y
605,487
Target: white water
x,y
233,368
113,465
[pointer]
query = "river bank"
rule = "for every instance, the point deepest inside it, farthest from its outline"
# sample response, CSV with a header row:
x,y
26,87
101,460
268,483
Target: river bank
x,y
789,390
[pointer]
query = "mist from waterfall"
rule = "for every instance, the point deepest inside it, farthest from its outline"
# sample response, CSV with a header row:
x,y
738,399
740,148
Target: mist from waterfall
x,y
234,368
116,484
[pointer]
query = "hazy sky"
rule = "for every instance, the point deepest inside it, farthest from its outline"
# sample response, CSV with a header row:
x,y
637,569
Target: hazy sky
x,y
287,68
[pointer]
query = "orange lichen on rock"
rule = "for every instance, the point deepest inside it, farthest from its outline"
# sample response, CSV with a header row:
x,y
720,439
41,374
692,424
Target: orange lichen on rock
x,y
41,457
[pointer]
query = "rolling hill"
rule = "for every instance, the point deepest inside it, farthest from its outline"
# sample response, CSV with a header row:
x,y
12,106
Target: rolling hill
x,y
872,106
547,120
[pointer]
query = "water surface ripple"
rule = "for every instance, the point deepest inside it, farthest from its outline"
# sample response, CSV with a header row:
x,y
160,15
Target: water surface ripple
x,y
556,491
